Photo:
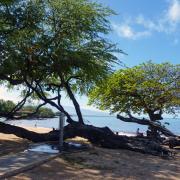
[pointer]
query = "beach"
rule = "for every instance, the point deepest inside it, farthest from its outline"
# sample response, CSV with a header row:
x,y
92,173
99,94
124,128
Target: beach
x,y
10,143
95,163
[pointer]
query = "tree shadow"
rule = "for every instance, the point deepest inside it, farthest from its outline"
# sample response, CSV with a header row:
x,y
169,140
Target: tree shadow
x,y
108,164
11,146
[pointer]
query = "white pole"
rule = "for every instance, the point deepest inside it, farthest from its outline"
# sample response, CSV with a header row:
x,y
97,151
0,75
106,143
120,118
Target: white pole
x,y
61,127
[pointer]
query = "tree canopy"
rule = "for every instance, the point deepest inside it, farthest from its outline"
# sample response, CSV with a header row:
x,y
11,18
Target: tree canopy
x,y
148,88
55,45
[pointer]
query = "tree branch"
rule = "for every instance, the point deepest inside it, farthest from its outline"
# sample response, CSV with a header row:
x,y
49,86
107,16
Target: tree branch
x,y
52,103
73,77
31,114
144,121
19,105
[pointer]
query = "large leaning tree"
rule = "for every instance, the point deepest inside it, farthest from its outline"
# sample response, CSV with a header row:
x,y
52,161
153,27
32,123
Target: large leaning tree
x,y
51,46
147,89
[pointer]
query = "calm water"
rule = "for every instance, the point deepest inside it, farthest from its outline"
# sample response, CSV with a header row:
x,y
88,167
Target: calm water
x,y
110,121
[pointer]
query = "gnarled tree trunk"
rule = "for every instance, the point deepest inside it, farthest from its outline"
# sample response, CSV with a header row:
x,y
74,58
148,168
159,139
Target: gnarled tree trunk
x,y
103,137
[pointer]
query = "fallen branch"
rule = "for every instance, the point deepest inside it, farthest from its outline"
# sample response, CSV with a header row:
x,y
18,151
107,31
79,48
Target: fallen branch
x,y
102,137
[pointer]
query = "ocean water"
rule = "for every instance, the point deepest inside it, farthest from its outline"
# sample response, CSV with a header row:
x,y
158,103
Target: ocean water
x,y
100,121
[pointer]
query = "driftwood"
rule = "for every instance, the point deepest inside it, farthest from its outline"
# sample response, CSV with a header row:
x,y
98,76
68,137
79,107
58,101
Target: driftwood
x,y
102,137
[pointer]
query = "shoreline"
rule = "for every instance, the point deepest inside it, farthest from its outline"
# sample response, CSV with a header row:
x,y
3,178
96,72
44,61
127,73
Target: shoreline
x,y
95,163
114,124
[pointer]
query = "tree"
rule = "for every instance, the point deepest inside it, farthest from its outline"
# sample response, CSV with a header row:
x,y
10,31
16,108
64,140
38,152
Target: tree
x,y
55,45
6,107
51,46
149,88
34,112
46,113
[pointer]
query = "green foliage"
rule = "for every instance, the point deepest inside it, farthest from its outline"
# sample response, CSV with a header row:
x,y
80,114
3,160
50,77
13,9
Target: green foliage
x,y
6,106
43,112
147,88
56,40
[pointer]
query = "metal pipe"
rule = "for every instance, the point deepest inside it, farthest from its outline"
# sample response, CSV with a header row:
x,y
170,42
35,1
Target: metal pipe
x,y
61,129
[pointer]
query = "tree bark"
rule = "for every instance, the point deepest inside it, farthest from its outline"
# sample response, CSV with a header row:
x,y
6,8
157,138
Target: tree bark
x,y
26,134
172,142
153,131
75,103
102,137
144,121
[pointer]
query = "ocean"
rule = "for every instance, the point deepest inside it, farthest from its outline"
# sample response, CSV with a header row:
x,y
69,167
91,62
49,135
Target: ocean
x,y
100,121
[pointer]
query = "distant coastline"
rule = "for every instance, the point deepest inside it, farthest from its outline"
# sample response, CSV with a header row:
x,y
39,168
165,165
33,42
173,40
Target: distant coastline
x,y
112,122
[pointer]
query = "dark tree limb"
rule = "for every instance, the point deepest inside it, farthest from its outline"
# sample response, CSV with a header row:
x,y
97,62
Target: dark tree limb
x,y
73,77
26,134
102,137
31,114
19,105
144,121
75,103
43,97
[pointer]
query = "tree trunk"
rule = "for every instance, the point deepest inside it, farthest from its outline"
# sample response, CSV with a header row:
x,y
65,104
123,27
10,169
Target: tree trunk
x,y
75,103
24,133
153,132
102,137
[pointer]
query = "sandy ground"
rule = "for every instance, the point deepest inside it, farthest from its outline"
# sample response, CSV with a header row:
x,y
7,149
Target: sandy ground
x,y
98,163
10,143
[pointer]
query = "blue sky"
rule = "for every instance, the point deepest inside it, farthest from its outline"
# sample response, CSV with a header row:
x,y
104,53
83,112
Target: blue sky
x,y
144,29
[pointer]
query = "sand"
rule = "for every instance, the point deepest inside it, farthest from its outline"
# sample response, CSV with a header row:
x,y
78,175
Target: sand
x,y
10,143
99,163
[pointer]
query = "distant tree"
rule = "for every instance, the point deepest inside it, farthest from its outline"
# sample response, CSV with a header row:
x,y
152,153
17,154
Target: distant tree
x,y
29,111
29,108
6,107
149,88
46,113
57,45
32,111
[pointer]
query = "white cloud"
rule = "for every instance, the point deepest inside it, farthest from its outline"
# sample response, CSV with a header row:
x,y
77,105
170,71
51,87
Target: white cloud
x,y
174,11
167,22
148,24
124,30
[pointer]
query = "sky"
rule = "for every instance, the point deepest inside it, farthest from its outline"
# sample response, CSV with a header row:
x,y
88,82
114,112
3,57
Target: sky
x,y
144,29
